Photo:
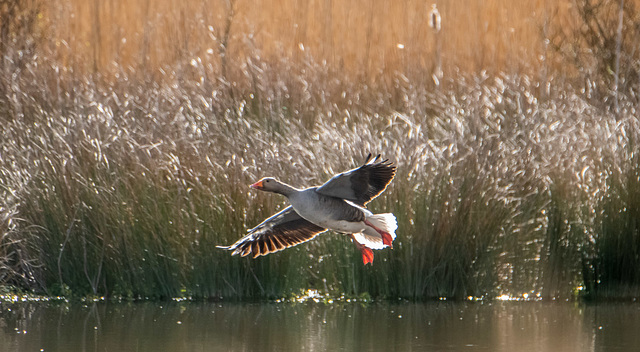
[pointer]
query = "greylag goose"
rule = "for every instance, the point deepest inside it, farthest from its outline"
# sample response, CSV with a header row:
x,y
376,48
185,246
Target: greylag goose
x,y
337,205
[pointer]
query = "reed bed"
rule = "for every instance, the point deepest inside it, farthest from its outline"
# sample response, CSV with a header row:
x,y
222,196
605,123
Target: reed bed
x,y
125,190
360,38
120,180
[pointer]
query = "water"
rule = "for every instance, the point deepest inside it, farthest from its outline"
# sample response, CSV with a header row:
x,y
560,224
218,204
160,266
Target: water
x,y
438,326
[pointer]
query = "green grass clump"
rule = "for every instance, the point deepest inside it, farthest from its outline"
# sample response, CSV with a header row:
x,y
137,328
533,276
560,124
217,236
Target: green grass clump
x,y
124,189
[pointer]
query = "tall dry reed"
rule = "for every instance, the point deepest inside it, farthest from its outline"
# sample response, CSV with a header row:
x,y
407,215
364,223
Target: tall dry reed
x,y
126,189
119,182
362,39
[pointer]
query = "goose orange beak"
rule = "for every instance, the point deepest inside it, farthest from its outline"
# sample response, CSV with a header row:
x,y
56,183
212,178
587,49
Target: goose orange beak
x,y
257,185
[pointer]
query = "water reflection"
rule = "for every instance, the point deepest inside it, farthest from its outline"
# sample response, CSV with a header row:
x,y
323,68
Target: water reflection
x,y
441,326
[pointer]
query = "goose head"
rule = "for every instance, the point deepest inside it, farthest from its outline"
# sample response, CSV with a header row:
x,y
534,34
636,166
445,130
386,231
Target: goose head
x,y
270,184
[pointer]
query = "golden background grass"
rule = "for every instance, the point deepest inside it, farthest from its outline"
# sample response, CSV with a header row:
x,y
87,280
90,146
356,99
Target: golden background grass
x,y
365,38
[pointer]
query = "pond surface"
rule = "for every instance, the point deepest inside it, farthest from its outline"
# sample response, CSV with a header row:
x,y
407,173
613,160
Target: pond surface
x,y
437,326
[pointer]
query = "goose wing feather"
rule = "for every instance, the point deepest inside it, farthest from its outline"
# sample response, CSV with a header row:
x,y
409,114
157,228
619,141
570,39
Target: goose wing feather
x,y
362,184
282,230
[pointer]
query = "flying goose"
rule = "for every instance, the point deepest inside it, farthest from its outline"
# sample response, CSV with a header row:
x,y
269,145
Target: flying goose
x,y
337,205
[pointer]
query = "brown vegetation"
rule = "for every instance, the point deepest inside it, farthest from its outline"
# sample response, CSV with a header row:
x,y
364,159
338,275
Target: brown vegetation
x,y
363,37
129,131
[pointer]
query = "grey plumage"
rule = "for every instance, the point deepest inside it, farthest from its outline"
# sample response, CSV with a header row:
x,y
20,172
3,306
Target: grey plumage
x,y
338,205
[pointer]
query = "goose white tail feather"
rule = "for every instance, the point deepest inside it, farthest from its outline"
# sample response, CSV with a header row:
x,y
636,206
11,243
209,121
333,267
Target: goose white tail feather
x,y
371,238
385,222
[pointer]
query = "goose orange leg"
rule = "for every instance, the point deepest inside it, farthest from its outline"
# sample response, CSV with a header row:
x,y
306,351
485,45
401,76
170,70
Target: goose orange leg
x,y
367,253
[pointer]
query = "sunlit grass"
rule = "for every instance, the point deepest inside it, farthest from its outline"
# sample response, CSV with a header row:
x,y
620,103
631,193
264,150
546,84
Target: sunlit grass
x,y
123,164
125,191
362,38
